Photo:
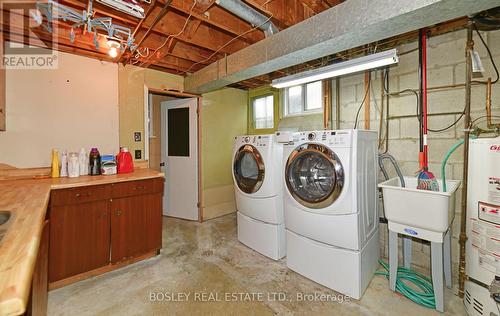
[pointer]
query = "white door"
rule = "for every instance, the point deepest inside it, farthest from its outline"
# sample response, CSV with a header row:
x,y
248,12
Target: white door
x,y
179,154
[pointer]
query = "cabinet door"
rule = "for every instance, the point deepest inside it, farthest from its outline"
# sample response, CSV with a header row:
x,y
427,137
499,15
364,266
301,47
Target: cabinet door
x,y
79,238
39,287
136,224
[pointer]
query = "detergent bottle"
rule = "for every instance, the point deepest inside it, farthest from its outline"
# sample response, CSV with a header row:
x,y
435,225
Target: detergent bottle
x,y
125,162
55,163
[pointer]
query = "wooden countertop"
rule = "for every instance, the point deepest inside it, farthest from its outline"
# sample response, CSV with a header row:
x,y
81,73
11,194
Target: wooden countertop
x,y
28,201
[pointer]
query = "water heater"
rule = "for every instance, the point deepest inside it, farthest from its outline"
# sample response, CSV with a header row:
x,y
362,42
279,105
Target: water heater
x,y
482,260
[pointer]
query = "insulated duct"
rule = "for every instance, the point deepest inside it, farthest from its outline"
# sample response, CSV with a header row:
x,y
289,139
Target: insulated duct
x,y
249,14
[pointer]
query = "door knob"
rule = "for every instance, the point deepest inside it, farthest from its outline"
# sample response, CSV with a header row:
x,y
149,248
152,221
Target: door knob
x,y
118,213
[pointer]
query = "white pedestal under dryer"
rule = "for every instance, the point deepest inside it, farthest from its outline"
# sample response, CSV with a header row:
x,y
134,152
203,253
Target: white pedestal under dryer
x,y
330,203
258,178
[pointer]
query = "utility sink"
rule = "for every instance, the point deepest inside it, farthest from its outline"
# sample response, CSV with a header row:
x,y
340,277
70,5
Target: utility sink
x,y
416,209
4,222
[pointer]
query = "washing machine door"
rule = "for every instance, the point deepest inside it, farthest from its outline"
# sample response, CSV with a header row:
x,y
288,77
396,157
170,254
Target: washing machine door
x,y
248,169
314,175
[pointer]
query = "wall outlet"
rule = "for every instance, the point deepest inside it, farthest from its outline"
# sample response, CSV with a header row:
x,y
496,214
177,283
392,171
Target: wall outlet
x,y
137,136
138,154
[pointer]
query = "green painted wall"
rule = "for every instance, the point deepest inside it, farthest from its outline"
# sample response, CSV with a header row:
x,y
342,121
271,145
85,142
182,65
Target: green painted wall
x,y
223,116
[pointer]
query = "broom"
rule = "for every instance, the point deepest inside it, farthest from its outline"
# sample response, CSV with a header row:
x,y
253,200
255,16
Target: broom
x,y
426,179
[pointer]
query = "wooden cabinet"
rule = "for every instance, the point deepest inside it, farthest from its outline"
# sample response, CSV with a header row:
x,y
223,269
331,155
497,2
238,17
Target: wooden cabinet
x,y
135,228
79,238
37,304
95,228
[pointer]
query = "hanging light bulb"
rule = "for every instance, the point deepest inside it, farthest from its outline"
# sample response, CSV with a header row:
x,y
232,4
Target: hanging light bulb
x,y
113,48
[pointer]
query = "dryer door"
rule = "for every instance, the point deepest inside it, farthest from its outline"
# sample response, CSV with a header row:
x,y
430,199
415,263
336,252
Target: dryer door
x,y
248,169
314,175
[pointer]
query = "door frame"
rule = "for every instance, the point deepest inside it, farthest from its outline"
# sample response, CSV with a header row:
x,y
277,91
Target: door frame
x,y
181,95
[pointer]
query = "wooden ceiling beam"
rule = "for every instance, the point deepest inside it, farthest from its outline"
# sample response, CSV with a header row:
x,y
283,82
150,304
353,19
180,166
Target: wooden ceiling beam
x,y
217,18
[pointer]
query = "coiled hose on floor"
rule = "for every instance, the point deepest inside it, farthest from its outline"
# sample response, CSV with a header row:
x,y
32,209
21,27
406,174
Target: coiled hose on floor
x,y
424,295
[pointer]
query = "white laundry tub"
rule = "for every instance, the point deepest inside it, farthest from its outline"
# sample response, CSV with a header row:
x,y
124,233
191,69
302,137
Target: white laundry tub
x,y
419,209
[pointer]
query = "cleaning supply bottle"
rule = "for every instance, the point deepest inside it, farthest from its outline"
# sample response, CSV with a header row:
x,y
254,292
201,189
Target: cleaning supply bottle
x,y
64,164
55,164
94,162
73,165
82,162
125,162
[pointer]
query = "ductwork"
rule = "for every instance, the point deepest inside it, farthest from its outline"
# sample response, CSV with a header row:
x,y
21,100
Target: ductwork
x,y
249,14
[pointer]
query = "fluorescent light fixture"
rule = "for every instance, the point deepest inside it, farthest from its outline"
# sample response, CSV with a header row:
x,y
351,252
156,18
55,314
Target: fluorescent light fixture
x,y
343,68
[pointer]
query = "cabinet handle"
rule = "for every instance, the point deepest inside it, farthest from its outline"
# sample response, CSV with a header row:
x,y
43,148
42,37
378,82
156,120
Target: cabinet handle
x,y
82,195
118,213
140,187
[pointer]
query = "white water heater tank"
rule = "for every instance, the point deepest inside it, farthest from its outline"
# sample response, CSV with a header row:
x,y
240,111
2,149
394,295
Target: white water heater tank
x,y
482,260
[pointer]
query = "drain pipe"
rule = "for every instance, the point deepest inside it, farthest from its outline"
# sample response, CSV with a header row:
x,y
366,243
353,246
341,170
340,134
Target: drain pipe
x,y
463,216
249,14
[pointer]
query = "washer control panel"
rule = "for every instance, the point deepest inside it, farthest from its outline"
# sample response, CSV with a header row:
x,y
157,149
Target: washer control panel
x,y
338,138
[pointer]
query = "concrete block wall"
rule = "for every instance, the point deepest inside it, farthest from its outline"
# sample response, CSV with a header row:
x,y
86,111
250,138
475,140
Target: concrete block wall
x,y
446,65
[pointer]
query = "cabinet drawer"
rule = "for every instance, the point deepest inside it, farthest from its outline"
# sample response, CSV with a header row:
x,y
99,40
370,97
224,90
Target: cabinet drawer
x,y
80,195
139,187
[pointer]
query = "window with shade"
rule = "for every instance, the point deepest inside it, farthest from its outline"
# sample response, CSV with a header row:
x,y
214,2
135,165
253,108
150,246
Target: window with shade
x,y
263,112
303,99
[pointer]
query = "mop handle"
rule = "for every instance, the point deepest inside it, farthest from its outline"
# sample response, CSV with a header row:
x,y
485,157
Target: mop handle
x,y
424,97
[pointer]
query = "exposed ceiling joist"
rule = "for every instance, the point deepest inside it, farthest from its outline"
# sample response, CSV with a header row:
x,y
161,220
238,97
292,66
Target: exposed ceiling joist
x,y
351,24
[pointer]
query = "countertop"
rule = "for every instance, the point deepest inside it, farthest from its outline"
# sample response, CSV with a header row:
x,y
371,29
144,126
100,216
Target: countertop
x,y
28,201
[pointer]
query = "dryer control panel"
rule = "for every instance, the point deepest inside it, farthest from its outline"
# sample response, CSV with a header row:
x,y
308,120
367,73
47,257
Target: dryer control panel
x,y
334,138
255,140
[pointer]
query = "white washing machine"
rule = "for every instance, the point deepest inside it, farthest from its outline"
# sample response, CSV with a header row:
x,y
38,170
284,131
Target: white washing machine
x,y
482,249
257,174
330,203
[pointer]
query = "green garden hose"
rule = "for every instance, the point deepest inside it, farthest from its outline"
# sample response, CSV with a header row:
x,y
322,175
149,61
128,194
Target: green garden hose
x,y
405,276
447,156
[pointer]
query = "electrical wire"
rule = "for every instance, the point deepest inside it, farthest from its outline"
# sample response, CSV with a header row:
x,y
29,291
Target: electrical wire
x,y
225,45
364,99
172,36
489,53
439,130
482,117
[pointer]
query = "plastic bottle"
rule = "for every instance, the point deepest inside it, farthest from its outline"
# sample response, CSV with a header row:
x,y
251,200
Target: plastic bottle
x,y
73,165
64,164
55,164
94,162
82,162
125,162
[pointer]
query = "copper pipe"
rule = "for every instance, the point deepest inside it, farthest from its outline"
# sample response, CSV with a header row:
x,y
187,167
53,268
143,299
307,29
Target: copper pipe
x,y
463,216
327,102
488,103
337,103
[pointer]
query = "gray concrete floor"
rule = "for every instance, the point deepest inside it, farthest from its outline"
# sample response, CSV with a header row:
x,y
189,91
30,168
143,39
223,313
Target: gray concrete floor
x,y
207,258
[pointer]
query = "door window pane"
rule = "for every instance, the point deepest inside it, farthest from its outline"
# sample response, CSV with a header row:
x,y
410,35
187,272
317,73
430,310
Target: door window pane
x,y
314,95
263,112
178,132
294,100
